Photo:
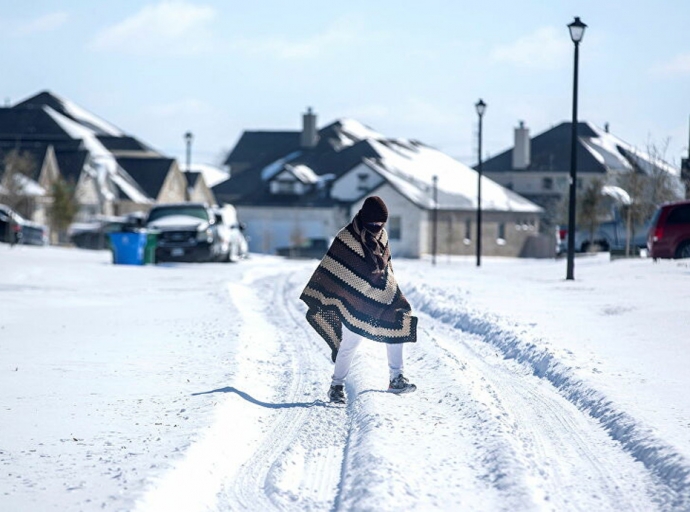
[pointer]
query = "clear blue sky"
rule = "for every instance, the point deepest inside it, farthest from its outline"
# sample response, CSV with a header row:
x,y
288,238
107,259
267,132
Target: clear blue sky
x,y
407,69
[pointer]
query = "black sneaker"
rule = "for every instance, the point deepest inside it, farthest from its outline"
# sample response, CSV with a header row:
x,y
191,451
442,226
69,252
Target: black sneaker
x,y
337,394
401,385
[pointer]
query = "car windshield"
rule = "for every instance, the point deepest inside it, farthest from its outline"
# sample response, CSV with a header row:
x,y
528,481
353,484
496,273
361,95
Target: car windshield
x,y
190,211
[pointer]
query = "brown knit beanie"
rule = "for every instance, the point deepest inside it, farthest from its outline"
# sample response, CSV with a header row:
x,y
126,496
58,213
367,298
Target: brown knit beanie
x,y
373,210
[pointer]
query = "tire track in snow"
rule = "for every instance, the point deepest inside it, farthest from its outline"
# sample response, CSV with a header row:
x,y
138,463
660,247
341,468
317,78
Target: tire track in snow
x,y
561,448
327,433
668,467
436,449
297,465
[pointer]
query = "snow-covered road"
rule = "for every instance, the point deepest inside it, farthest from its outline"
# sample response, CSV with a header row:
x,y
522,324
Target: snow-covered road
x,y
202,387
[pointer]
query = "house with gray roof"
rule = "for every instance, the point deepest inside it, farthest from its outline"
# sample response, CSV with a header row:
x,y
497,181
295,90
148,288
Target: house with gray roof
x,y
313,181
159,177
538,168
114,172
197,189
260,147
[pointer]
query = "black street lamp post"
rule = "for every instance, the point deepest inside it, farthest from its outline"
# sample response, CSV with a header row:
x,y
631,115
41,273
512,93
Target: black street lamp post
x,y
481,107
577,30
188,137
435,222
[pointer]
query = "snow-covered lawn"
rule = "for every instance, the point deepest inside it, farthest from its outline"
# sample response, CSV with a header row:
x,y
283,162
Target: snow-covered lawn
x,y
201,387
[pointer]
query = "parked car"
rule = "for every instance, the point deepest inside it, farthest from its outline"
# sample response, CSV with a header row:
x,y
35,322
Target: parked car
x,y
608,235
17,230
10,226
311,248
187,232
669,236
94,235
231,233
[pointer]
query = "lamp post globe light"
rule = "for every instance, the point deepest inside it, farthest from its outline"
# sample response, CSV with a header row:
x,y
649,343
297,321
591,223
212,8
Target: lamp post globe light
x,y
481,107
577,31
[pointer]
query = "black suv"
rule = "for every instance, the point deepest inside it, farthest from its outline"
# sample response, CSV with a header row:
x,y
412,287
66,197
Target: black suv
x,y
186,232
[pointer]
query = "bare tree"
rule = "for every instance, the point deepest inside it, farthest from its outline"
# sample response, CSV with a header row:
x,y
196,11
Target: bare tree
x,y
685,175
63,208
591,207
555,213
15,170
661,185
649,183
17,167
637,211
664,185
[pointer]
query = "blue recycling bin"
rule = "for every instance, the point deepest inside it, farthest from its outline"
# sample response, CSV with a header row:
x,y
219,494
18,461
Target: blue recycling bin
x,y
128,247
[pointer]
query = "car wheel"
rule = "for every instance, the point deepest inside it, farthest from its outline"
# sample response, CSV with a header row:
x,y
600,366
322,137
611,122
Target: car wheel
x,y
683,250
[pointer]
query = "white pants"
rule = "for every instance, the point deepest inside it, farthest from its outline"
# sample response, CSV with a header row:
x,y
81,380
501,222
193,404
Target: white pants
x,y
347,350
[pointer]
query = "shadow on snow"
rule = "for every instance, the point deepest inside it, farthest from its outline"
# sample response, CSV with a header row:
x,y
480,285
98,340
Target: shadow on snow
x,y
269,405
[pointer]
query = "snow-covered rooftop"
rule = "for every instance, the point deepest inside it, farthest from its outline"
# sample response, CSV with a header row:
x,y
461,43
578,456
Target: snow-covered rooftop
x,y
212,175
86,118
274,167
415,166
617,154
28,186
357,130
303,173
102,161
410,168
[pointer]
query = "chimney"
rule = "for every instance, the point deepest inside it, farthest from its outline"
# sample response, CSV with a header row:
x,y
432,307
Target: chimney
x,y
521,151
310,136
606,127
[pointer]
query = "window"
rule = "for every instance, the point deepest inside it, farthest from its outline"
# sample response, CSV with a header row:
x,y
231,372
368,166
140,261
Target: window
x,y
394,228
523,224
547,183
198,212
501,232
468,230
362,180
679,215
282,187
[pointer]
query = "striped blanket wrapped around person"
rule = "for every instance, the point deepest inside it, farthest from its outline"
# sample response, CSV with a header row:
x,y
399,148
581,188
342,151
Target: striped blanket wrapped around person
x,y
354,285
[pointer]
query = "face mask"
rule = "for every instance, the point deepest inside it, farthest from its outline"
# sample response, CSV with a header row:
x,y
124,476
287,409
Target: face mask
x,y
373,227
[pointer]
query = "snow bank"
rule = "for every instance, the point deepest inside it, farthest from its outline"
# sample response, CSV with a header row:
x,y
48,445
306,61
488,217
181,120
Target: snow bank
x,y
659,457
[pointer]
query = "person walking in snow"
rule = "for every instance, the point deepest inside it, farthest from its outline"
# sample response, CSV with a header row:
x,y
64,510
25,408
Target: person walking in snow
x,y
353,295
